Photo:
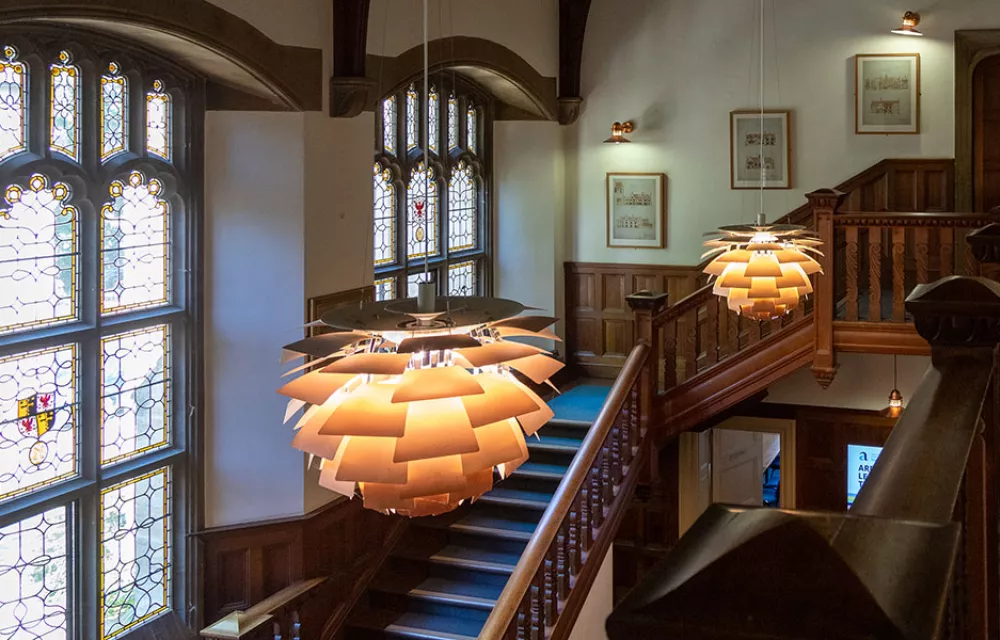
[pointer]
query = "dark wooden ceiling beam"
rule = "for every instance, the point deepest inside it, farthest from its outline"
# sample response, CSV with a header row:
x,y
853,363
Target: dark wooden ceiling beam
x,y
350,88
572,29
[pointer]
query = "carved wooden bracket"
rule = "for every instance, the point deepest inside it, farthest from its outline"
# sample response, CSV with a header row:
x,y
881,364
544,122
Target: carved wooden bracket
x,y
350,90
572,29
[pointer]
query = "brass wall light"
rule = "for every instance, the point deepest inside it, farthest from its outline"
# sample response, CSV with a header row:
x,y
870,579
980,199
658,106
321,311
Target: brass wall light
x,y
909,26
618,131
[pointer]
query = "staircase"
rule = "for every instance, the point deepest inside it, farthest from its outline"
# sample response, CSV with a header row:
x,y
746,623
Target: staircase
x,y
444,577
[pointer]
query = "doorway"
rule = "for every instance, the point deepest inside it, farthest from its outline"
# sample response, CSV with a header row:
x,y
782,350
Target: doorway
x,y
986,134
743,461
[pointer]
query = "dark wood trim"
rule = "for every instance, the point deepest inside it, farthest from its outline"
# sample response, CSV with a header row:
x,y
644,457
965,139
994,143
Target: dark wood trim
x,y
501,71
350,90
572,32
971,48
319,305
197,34
879,337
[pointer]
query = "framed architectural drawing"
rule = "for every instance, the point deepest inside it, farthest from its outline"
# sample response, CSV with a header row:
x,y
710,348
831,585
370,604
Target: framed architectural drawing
x,y
748,170
637,210
887,93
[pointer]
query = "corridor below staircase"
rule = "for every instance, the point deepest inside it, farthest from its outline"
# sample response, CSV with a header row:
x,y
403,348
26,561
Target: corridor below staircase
x,y
444,576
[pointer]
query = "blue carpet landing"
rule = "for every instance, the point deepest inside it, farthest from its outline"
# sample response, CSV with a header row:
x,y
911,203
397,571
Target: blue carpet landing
x,y
581,403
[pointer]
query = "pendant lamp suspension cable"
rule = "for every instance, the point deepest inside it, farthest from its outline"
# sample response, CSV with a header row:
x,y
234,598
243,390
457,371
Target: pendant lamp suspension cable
x,y
761,218
427,153
894,385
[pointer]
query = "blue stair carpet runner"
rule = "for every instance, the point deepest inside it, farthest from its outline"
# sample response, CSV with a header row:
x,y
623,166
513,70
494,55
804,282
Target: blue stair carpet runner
x,y
443,579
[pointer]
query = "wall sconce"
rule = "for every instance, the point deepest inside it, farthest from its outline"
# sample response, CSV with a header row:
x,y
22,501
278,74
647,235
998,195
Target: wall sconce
x,y
909,26
618,131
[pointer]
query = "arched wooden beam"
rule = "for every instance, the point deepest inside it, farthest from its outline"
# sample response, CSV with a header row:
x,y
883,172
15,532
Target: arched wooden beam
x,y
210,40
350,90
572,29
523,93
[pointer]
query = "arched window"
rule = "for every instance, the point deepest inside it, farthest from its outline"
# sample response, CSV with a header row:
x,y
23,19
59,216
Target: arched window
x,y
449,239
96,334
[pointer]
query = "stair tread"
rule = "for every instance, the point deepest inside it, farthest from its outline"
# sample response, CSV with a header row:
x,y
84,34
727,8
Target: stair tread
x,y
486,522
542,469
560,443
518,497
407,624
461,591
458,555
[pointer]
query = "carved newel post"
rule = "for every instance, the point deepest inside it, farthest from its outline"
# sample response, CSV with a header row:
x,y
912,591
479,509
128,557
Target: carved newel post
x,y
645,306
825,203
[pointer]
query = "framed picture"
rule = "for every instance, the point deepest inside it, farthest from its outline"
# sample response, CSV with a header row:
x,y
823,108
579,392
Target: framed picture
x,y
746,139
887,93
637,210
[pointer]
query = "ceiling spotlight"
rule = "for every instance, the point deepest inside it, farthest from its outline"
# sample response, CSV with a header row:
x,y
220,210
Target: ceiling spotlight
x,y
909,26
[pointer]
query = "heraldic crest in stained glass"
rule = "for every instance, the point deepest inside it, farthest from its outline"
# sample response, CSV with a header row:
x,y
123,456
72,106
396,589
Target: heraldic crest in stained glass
x,y
35,414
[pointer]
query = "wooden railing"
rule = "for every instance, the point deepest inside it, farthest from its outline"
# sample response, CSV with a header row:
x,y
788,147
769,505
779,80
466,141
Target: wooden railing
x,y
277,617
548,587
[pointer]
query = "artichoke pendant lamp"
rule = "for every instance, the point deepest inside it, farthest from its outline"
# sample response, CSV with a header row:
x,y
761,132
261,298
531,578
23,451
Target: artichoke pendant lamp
x,y
762,270
414,404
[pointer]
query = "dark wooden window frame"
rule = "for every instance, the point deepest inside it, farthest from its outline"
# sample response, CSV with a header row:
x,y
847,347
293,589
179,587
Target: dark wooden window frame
x,y
442,162
182,179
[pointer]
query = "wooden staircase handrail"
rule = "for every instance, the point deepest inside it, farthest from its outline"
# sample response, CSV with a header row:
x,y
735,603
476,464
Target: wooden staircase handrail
x,y
913,219
510,603
240,625
685,304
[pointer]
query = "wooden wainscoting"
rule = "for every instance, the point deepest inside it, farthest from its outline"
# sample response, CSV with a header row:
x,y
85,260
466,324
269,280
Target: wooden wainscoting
x,y
244,564
600,329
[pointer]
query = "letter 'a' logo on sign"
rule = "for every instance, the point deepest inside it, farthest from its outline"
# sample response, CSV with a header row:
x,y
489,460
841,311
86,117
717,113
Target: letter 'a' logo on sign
x,y
35,414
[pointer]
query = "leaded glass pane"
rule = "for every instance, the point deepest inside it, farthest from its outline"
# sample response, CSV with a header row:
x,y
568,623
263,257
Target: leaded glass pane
x,y
135,374
64,125
38,413
158,121
385,217
135,246
13,119
38,256
135,552
412,118
452,123
114,112
413,281
389,124
462,209
33,577
422,225
433,119
462,279
472,129
385,289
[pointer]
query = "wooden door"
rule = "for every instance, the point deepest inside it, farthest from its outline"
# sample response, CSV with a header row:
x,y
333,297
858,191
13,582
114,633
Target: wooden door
x,y
737,473
986,134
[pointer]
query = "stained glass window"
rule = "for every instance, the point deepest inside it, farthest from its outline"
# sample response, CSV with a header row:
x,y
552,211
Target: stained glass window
x,y
411,237
38,419
422,216
114,112
34,577
462,209
135,552
389,124
462,279
471,129
385,217
433,119
38,255
135,245
96,336
452,123
135,374
13,117
65,90
385,289
158,121
412,118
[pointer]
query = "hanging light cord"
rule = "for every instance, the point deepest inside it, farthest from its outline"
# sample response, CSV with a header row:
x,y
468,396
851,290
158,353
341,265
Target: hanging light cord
x,y
894,384
763,165
427,157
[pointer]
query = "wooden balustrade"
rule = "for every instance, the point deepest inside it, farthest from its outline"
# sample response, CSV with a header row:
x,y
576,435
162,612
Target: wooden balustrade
x,y
548,587
276,617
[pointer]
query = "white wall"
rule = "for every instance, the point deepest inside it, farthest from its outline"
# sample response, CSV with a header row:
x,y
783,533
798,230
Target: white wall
x,y
678,68
598,605
254,246
528,27
301,23
530,214
863,382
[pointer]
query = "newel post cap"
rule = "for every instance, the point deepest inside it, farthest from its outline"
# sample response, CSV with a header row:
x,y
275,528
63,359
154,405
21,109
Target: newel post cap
x,y
647,301
957,311
985,242
827,199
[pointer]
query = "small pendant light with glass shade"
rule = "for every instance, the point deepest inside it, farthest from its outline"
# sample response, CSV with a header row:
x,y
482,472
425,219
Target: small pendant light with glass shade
x,y
895,408
762,270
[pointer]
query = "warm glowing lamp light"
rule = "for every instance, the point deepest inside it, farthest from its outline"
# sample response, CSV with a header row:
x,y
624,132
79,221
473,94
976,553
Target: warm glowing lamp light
x,y
762,270
909,25
416,411
618,131
895,408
